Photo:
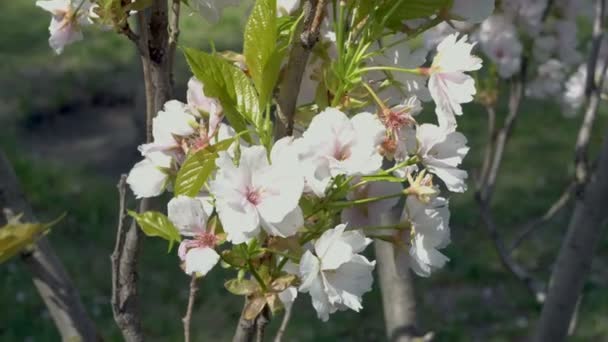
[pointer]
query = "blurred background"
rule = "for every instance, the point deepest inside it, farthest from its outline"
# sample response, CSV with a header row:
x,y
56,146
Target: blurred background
x,y
70,125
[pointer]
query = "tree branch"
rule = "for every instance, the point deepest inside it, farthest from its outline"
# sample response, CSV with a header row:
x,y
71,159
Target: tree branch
x,y
188,317
261,322
284,324
296,65
529,227
52,281
576,254
154,35
593,93
245,329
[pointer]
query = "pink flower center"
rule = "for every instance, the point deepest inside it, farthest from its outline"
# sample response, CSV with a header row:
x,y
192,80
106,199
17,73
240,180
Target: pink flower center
x,y
206,240
253,196
394,120
341,152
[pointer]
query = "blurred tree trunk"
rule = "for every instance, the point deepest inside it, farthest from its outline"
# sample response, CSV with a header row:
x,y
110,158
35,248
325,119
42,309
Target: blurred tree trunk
x,y
396,287
52,281
576,254
398,300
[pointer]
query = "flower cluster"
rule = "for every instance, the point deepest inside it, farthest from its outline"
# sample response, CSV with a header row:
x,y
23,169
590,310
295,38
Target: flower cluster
x,y
542,35
309,205
295,214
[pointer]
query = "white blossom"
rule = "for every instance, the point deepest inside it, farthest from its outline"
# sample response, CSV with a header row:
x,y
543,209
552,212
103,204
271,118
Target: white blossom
x,y
335,145
198,102
441,151
448,83
149,177
68,16
257,194
334,274
549,80
499,41
172,122
398,53
429,232
574,95
190,215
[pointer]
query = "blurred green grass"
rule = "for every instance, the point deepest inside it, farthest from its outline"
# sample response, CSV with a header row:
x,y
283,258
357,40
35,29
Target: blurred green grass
x,y
474,298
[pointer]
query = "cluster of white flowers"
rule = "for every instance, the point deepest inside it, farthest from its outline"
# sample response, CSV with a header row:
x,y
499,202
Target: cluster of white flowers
x,y
257,193
541,31
308,205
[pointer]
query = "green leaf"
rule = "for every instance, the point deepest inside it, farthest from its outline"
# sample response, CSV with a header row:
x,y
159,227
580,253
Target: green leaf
x,y
382,178
16,236
197,168
241,287
229,85
412,9
260,48
153,223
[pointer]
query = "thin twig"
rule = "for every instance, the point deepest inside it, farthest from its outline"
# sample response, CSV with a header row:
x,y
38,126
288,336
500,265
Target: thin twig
x,y
284,323
188,317
173,31
534,286
489,146
529,227
261,322
593,88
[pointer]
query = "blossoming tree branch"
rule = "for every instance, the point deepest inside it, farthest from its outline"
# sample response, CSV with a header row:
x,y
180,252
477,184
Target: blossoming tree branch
x,y
288,160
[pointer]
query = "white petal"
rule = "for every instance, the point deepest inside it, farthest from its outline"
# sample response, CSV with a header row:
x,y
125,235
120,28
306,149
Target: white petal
x,y
288,226
309,270
187,214
351,280
146,179
240,222
201,260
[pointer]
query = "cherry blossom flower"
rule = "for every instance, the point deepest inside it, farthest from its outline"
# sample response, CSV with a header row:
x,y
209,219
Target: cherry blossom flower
x,y
149,177
199,103
168,126
548,81
334,145
448,83
429,231
574,95
473,11
190,216
68,17
399,54
441,151
499,41
334,274
258,194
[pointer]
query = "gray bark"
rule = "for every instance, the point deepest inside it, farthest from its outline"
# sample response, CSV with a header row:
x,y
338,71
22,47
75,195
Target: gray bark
x,y
398,300
50,278
576,254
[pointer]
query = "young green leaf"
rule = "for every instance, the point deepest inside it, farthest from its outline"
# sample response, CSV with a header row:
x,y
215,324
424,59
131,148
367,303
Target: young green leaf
x,y
153,223
412,9
228,84
260,48
197,168
241,287
15,236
